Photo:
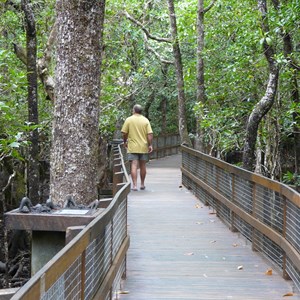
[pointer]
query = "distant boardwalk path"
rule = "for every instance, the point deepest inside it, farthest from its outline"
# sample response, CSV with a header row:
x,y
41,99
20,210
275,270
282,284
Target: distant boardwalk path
x,y
180,250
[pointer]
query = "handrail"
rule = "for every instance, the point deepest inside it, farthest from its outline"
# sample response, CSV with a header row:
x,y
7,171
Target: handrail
x,y
165,145
90,266
265,211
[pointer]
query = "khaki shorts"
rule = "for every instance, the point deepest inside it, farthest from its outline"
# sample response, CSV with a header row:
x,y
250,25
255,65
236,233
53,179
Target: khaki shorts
x,y
138,156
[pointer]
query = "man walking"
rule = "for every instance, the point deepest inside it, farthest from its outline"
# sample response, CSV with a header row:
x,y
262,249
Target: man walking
x,y
137,137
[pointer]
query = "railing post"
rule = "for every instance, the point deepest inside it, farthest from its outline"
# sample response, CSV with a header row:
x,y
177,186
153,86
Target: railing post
x,y
117,173
82,274
254,214
284,260
233,195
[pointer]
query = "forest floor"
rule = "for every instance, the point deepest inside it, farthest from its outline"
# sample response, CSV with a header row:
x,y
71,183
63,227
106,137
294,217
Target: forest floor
x,y
15,248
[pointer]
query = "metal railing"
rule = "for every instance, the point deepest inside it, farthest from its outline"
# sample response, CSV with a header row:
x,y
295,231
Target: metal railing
x,y
165,145
91,265
266,212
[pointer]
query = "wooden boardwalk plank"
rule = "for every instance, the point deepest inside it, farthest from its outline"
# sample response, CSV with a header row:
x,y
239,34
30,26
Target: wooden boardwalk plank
x,y
180,250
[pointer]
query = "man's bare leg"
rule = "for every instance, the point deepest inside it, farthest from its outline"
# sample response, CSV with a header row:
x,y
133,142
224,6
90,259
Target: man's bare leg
x,y
143,173
133,172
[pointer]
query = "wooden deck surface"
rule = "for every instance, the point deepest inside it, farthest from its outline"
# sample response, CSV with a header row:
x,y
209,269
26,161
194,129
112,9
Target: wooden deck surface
x,y
180,250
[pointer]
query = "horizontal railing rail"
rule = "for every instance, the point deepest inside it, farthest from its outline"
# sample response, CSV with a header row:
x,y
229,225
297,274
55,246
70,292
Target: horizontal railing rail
x,y
265,211
165,145
91,265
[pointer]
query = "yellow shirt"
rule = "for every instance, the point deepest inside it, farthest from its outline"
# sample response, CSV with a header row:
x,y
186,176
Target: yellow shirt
x,y
137,127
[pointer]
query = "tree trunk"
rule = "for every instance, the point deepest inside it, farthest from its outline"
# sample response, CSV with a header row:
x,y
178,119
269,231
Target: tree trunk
x,y
183,132
288,49
75,146
296,117
31,46
164,100
265,104
198,145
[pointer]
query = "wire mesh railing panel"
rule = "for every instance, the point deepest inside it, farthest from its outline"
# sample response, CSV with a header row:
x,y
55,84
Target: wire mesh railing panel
x,y
293,272
120,230
73,281
269,207
243,227
185,160
270,249
201,171
224,183
224,212
116,288
293,224
56,291
211,175
87,265
94,265
193,164
68,286
266,212
243,194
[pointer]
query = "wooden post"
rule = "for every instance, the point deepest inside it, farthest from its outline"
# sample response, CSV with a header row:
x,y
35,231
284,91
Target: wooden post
x,y
254,214
284,260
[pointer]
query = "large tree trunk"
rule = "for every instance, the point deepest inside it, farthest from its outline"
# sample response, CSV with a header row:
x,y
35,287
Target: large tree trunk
x,y
183,132
75,146
265,104
31,46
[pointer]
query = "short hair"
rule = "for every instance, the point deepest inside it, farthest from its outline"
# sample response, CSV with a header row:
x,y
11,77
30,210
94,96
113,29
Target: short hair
x,y
137,109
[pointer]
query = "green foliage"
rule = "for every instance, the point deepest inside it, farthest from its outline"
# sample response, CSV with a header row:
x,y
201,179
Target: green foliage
x,y
291,178
236,71
14,127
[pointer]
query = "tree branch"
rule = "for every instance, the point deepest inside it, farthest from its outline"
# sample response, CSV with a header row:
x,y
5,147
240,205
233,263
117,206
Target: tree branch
x,y
212,3
158,56
148,34
9,181
42,63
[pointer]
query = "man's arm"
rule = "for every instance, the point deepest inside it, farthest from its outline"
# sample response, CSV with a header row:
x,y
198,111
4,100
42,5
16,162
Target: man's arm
x,y
149,139
125,137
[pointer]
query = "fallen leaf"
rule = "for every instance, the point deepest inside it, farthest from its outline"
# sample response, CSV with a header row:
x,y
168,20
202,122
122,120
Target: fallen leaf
x,y
123,292
180,186
234,245
269,272
212,242
212,213
240,267
197,206
189,254
288,294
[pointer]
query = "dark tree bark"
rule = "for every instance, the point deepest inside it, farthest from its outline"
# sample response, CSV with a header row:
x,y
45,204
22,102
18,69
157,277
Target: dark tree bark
x,y
296,117
42,63
31,46
288,49
201,98
164,100
183,132
75,146
265,104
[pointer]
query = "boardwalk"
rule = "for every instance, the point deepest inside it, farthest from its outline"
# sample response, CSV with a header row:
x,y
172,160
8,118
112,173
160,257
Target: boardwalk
x,y
181,250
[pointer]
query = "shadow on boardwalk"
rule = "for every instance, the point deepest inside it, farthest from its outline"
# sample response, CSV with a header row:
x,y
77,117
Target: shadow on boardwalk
x,y
180,249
